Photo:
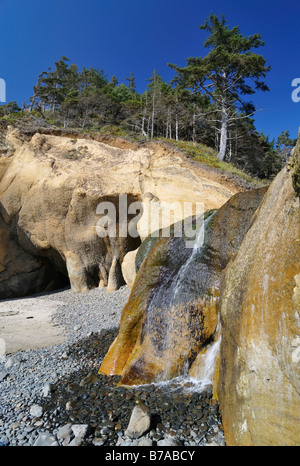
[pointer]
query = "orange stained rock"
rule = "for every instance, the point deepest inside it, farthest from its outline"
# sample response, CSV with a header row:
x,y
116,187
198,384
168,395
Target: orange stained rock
x,y
258,385
156,341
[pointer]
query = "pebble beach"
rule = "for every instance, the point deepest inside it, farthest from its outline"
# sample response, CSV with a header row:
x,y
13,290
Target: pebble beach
x,y
54,396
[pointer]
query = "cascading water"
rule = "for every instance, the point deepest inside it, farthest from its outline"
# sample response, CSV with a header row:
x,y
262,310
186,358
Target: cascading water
x,y
206,363
174,289
196,251
171,317
202,377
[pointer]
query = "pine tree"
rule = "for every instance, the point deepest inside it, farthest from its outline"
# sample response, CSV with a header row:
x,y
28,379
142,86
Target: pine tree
x,y
227,73
114,82
131,83
284,145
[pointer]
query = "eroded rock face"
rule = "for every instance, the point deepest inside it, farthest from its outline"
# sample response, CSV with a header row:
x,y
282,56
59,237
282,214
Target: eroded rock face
x,y
172,311
51,187
259,378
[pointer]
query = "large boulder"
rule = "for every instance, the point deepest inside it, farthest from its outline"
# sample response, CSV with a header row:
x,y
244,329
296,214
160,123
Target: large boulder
x,y
259,372
50,191
172,312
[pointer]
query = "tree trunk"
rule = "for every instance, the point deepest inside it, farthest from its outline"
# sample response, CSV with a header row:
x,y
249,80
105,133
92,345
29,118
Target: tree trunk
x,y
32,102
66,118
153,114
230,148
223,138
194,128
143,125
176,128
167,125
216,139
143,129
176,119
84,120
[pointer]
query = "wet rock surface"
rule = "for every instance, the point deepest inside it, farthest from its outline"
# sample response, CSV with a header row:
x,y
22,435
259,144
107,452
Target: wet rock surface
x,y
55,396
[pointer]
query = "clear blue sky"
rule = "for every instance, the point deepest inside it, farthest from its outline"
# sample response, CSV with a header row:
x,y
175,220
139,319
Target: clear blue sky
x,y
121,36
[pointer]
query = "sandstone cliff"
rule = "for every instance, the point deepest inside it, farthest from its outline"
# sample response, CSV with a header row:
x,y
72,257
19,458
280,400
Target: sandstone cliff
x,y
51,185
246,277
248,274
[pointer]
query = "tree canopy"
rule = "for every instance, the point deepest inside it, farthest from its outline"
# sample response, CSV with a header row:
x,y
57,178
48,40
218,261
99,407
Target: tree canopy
x,y
226,74
206,102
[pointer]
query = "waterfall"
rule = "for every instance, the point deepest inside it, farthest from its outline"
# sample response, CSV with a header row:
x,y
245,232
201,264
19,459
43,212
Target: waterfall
x,y
177,310
205,367
196,251
203,373
206,363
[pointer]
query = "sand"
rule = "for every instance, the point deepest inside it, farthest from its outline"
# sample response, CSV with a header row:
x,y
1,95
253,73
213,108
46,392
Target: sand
x,y
26,324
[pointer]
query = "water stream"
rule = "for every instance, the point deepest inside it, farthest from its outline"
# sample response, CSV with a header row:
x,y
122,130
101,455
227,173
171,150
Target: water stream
x,y
196,251
172,293
203,377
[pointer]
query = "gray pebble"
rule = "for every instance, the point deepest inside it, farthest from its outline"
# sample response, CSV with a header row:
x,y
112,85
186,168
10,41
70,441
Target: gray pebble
x,y
48,388
36,410
81,397
64,431
45,439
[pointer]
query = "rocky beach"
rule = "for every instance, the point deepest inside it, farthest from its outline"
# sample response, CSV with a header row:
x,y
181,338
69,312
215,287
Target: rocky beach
x,y
103,336
53,395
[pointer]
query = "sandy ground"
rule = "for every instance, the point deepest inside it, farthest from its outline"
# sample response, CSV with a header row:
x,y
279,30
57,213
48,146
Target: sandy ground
x,y
26,324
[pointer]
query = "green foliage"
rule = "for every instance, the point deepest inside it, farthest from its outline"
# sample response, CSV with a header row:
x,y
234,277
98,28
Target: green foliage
x,y
113,130
186,111
131,83
8,109
226,74
122,93
207,156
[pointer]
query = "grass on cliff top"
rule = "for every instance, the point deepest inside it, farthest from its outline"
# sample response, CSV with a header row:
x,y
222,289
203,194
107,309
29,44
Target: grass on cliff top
x,y
197,151
208,156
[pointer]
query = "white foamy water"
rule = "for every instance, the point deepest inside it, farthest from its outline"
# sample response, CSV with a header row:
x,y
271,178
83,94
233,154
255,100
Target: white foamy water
x,y
207,363
203,378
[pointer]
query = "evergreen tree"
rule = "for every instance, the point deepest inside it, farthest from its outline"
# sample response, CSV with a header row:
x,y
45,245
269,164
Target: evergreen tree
x,y
131,83
191,110
227,73
284,145
114,82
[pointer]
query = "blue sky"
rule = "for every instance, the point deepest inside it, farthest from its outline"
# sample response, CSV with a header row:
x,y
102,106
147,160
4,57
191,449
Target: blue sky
x,y
121,36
